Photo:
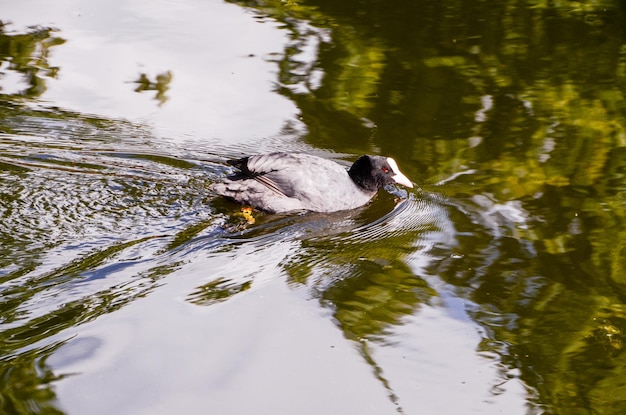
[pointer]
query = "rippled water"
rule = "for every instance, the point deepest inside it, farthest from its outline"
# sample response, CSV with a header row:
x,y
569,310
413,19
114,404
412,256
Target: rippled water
x,y
137,290
494,286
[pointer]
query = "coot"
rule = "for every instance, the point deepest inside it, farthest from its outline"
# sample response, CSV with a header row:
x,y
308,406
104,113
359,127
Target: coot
x,y
283,182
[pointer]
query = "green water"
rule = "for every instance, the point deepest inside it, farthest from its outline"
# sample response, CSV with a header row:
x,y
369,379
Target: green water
x,y
496,286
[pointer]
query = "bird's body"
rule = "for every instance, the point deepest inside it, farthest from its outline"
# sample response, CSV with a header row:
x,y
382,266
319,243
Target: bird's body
x,y
283,182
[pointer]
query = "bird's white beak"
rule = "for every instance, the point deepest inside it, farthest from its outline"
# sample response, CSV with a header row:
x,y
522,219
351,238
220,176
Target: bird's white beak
x,y
402,179
399,177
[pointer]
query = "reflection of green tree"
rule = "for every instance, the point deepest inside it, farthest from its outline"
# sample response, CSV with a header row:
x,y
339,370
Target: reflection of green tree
x,y
27,54
25,387
531,95
161,85
367,284
336,93
220,289
361,273
371,293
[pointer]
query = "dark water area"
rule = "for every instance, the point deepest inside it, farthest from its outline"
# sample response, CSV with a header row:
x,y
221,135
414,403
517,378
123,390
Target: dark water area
x,y
496,285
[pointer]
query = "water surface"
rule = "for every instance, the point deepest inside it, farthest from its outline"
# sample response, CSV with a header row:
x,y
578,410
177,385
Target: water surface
x,y
495,286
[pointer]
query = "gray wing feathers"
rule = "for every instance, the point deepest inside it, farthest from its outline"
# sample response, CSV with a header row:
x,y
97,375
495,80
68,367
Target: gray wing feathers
x,y
281,182
286,173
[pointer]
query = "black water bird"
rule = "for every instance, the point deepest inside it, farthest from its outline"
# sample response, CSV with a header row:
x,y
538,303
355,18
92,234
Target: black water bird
x,y
284,182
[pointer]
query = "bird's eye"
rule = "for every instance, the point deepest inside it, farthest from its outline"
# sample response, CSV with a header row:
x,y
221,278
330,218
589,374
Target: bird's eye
x,y
384,169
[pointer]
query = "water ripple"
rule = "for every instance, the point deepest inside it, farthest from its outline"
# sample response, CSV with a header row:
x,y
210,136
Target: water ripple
x,y
89,225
